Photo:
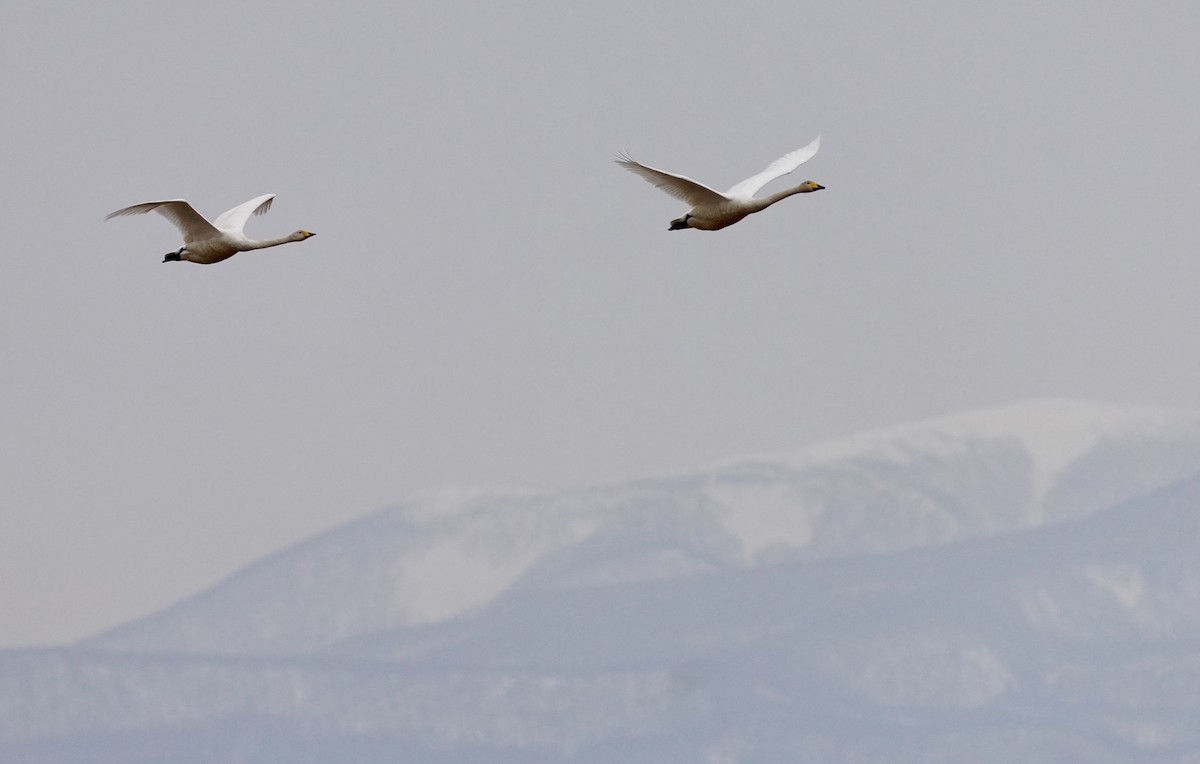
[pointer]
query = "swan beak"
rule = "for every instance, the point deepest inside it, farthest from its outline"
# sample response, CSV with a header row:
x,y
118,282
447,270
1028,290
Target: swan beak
x,y
818,187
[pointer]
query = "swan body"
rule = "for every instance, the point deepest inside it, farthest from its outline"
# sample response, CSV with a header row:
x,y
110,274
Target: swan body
x,y
711,210
205,242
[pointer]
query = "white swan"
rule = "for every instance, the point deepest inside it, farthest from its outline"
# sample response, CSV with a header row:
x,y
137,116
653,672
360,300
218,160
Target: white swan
x,y
712,210
205,242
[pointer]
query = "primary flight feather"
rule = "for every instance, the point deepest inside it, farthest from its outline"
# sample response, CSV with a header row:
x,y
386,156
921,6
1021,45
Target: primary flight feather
x,y
712,210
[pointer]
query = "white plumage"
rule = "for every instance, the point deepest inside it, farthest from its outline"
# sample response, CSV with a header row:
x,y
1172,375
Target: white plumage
x,y
712,210
205,242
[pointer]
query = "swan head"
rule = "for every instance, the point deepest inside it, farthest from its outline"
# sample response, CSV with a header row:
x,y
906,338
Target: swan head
x,y
301,235
809,186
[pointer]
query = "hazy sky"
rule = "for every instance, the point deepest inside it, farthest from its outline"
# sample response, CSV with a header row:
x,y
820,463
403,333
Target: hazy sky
x,y
1011,212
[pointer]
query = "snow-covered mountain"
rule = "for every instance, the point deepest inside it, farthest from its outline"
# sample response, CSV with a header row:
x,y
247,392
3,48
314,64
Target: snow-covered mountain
x,y
451,554
1016,583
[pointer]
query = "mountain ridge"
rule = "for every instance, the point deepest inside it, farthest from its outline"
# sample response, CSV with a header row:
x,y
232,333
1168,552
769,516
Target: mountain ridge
x,y
446,555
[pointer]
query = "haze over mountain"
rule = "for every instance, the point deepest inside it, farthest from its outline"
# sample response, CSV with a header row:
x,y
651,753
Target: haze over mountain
x,y
1013,583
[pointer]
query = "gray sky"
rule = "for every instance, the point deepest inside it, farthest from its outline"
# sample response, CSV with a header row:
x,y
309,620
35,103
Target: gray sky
x,y
1011,212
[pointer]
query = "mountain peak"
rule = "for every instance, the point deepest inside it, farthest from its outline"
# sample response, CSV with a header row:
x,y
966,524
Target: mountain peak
x,y
1053,432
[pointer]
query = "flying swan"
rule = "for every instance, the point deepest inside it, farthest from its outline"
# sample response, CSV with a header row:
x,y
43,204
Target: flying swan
x,y
712,211
208,243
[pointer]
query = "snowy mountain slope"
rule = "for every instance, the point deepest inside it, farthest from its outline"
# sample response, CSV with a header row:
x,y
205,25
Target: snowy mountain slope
x,y
1131,573
1076,641
451,554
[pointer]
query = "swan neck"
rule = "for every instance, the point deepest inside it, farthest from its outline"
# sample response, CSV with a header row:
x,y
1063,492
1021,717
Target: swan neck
x,y
264,243
767,201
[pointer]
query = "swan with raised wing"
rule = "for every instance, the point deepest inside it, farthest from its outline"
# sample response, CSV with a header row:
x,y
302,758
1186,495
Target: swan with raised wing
x,y
205,242
712,210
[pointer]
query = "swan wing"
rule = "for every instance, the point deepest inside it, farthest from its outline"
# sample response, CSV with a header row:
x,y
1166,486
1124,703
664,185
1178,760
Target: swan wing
x,y
182,215
686,189
780,167
235,219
